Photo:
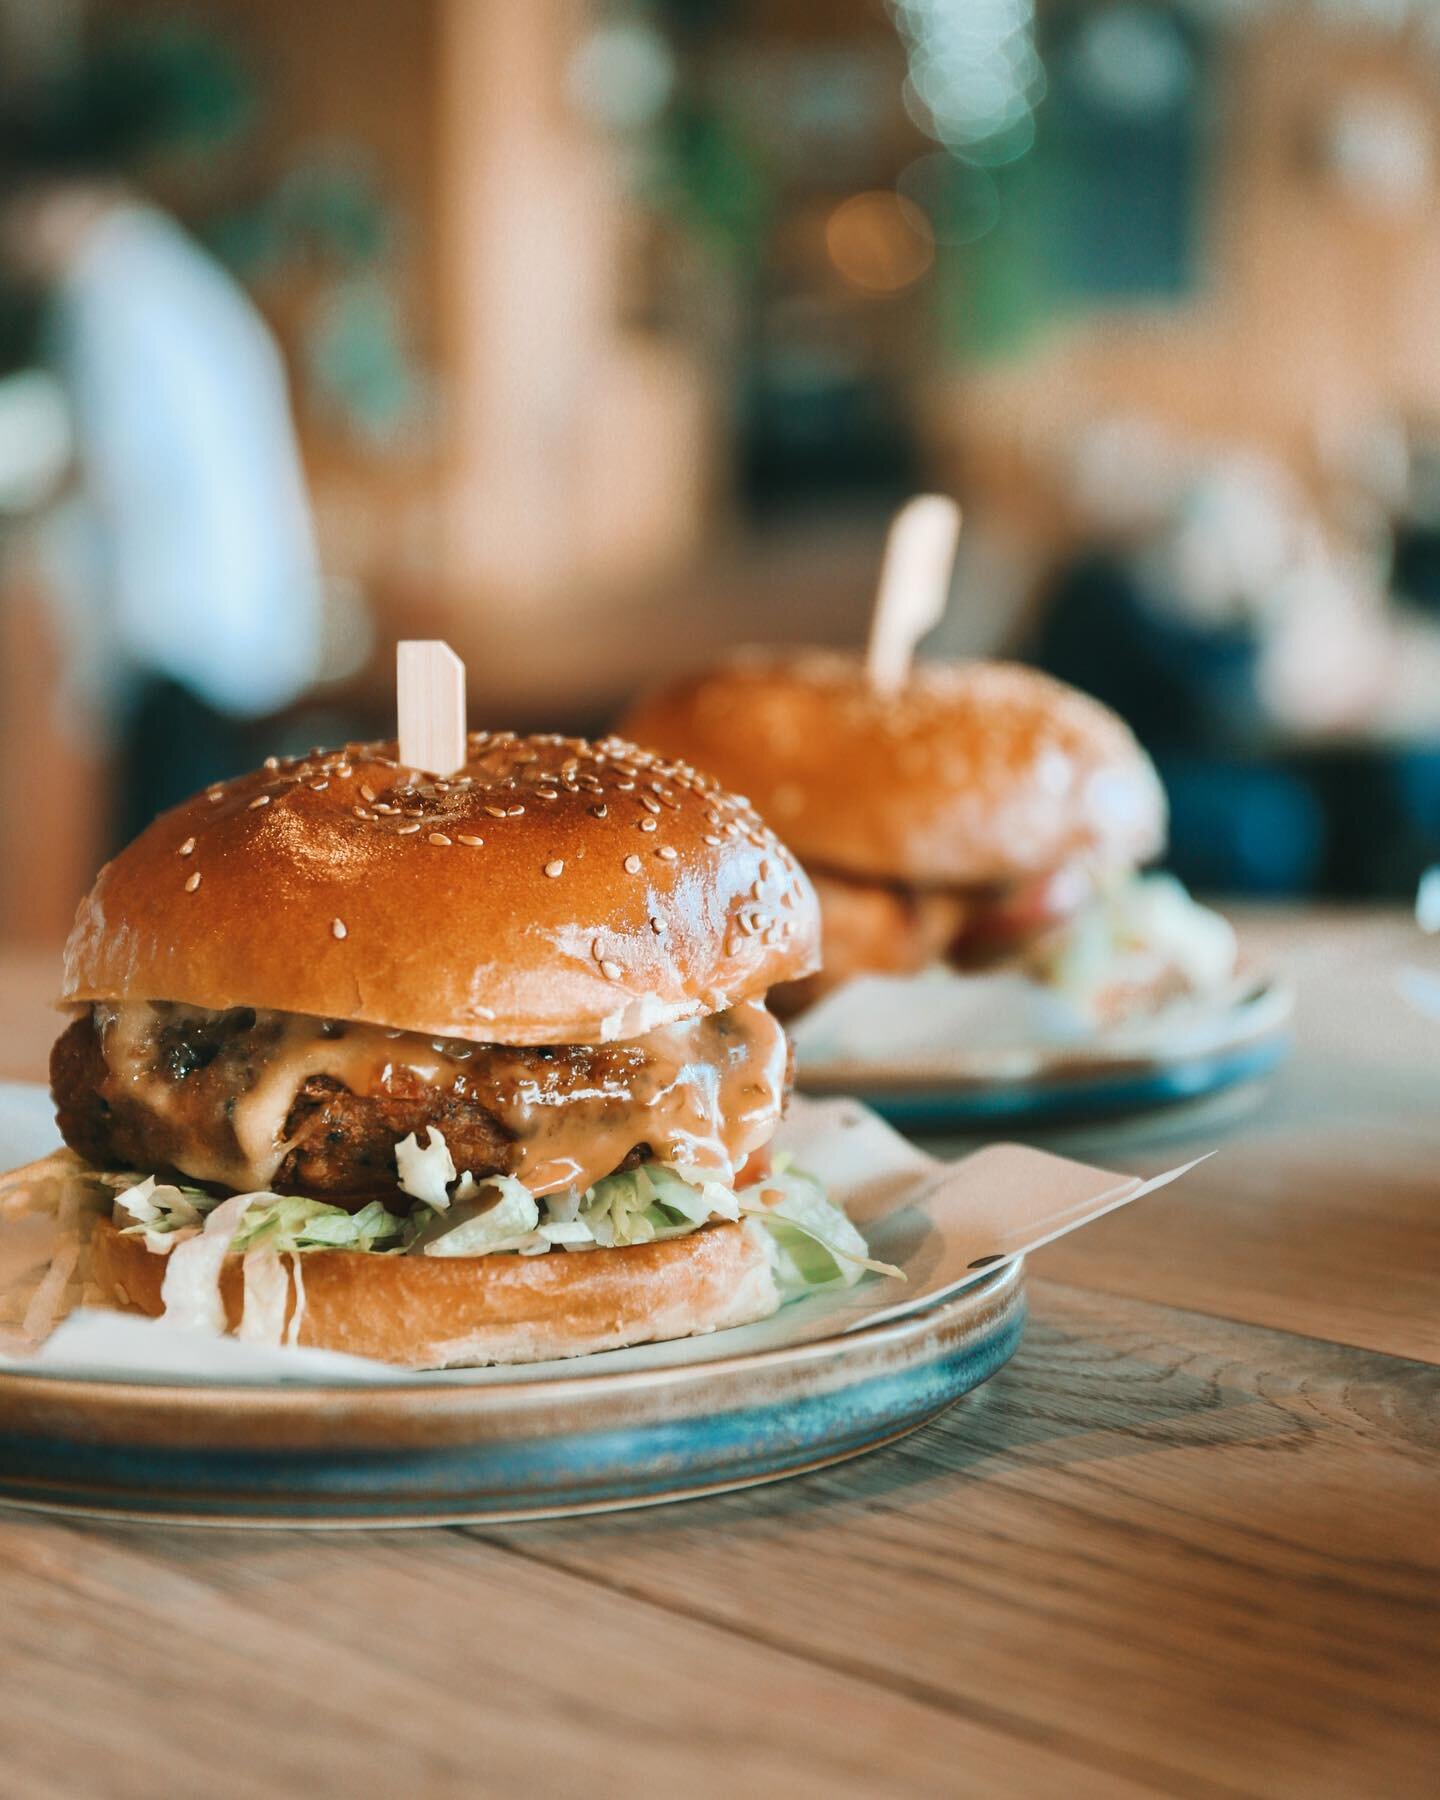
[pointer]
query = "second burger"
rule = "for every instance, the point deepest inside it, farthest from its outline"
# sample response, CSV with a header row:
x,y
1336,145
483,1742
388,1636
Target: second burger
x,y
985,814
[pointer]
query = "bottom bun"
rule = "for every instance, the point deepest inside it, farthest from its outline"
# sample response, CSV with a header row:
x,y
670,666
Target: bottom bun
x,y
433,1312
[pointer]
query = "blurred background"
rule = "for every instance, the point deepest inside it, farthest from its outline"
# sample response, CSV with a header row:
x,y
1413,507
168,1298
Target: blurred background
x,y
599,335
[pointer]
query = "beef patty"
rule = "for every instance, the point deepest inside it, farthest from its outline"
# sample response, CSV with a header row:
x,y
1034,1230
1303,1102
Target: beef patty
x,y
894,928
242,1099
342,1144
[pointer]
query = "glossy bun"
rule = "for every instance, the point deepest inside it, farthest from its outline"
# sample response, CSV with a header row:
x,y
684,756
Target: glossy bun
x,y
552,891
432,1312
976,773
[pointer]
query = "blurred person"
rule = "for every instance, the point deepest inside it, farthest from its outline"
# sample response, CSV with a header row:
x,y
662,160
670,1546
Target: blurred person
x,y
179,557
1171,618
1165,615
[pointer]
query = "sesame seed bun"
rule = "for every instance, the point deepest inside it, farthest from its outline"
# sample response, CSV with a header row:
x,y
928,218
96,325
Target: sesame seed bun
x,y
552,891
975,774
427,1312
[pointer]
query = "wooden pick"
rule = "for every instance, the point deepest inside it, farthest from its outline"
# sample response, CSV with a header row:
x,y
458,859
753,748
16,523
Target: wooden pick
x,y
430,701
914,586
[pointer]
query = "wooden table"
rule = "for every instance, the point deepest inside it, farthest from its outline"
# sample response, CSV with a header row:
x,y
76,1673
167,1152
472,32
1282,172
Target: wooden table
x,y
1187,1543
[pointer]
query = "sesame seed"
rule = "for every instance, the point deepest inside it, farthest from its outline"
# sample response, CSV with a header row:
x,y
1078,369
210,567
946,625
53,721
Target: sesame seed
x,y
405,830
611,970
437,837
496,812
600,812
555,868
597,950
474,842
215,796
367,792
746,924
668,852
647,825
259,800
319,787
625,786
650,805
548,793
272,762
362,813
632,865
337,928
658,925
716,842
193,883
188,847
414,812
513,812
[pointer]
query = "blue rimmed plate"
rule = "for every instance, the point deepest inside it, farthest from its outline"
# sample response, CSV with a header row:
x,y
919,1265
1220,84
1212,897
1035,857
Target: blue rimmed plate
x,y
442,1454
633,1428
960,1089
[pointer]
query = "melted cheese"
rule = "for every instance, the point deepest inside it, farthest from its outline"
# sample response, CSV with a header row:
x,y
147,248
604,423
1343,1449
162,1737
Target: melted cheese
x,y
702,1094
705,1093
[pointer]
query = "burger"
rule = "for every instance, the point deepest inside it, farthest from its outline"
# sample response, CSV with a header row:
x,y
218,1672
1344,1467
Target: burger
x,y
985,814
445,1071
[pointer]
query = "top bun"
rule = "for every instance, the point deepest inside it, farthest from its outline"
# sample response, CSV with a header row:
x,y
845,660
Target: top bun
x,y
552,891
975,773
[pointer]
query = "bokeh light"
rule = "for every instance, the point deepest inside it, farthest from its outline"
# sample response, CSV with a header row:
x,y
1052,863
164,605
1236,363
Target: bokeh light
x,y
960,200
880,242
975,76
622,75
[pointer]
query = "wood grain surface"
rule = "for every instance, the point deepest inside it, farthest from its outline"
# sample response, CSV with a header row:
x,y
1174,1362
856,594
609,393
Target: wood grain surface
x,y
1187,1543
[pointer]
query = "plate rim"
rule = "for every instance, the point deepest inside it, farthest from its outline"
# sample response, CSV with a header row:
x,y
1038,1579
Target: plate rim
x,y
95,1513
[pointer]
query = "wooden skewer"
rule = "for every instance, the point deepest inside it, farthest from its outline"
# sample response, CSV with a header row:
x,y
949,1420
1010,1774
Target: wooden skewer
x,y
430,702
914,586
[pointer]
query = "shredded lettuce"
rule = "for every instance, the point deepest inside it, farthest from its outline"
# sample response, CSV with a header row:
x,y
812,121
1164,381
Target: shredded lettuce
x,y
191,1288
808,1238
495,1214
570,1234
266,1296
813,1244
426,1174
290,1222
1141,931
165,1216
285,1223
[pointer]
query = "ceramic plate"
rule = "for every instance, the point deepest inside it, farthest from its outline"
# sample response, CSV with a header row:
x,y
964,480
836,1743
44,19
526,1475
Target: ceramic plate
x,y
703,1416
441,1454
943,1089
